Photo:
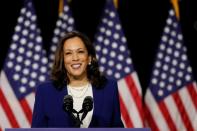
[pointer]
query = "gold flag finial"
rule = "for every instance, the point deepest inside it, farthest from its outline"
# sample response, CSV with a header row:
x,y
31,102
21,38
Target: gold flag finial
x,y
176,8
115,3
61,6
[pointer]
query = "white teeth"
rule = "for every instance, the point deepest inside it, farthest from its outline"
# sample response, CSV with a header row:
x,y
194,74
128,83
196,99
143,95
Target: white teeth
x,y
76,65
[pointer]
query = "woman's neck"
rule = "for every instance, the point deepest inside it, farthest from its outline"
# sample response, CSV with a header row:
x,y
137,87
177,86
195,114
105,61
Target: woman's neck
x,y
78,81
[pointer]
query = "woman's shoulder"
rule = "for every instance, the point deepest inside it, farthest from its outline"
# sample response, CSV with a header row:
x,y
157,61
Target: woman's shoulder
x,y
45,85
111,87
111,83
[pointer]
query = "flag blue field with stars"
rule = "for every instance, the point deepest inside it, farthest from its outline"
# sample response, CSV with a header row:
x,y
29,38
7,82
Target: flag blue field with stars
x,y
115,62
171,98
25,67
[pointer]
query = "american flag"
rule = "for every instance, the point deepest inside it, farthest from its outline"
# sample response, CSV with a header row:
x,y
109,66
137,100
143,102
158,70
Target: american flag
x,y
64,24
171,98
114,59
24,68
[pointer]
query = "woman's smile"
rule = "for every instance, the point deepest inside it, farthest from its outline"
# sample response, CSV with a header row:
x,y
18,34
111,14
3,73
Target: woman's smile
x,y
76,66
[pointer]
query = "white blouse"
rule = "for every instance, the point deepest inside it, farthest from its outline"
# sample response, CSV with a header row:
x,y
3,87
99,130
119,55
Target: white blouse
x,y
78,94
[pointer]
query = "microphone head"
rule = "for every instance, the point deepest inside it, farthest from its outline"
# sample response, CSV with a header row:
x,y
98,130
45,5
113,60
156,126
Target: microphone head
x,y
68,103
87,104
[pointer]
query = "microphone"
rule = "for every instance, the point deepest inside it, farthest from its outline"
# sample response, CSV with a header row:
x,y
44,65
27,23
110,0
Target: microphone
x,y
68,107
68,103
87,106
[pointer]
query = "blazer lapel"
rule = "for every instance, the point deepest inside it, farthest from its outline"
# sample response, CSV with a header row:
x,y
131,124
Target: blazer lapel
x,y
97,98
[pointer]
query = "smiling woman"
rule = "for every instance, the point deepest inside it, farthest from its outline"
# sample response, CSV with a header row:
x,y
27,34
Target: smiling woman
x,y
76,83
76,60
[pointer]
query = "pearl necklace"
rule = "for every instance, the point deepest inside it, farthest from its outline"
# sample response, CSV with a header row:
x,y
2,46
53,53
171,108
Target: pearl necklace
x,y
78,92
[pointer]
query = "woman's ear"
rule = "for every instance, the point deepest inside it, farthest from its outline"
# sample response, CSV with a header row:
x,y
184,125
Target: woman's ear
x,y
90,60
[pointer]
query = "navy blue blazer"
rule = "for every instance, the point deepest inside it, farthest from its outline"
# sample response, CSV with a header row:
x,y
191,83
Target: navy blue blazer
x,y
48,111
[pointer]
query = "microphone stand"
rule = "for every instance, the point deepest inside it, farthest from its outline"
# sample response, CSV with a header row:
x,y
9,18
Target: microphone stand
x,y
77,120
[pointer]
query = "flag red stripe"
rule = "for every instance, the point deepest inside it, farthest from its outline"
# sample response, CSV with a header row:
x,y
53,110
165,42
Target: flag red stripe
x,y
136,96
1,129
193,94
26,110
150,120
125,114
8,110
183,112
167,116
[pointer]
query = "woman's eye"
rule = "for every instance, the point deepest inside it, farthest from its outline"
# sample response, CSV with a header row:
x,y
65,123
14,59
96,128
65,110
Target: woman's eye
x,y
81,51
67,53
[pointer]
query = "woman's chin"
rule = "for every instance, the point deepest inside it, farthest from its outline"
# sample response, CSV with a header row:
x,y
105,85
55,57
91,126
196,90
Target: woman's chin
x,y
77,75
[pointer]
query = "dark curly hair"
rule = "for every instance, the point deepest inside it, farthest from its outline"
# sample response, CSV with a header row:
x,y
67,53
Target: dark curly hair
x,y
59,73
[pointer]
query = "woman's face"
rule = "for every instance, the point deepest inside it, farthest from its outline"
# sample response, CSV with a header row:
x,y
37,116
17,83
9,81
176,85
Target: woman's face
x,y
76,58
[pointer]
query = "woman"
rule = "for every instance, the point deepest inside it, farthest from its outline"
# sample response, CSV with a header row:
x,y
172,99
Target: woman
x,y
76,73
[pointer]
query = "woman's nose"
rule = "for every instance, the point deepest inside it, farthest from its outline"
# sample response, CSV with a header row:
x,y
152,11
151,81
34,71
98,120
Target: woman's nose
x,y
75,56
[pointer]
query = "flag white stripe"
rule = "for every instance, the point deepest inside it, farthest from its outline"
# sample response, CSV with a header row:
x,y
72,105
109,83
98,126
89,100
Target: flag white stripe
x,y
129,103
123,121
30,100
188,105
13,102
195,121
139,90
4,122
155,111
195,86
174,113
137,83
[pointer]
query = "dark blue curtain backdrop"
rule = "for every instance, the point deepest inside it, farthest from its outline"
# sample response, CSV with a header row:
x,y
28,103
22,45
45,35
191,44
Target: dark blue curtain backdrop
x,y
142,21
